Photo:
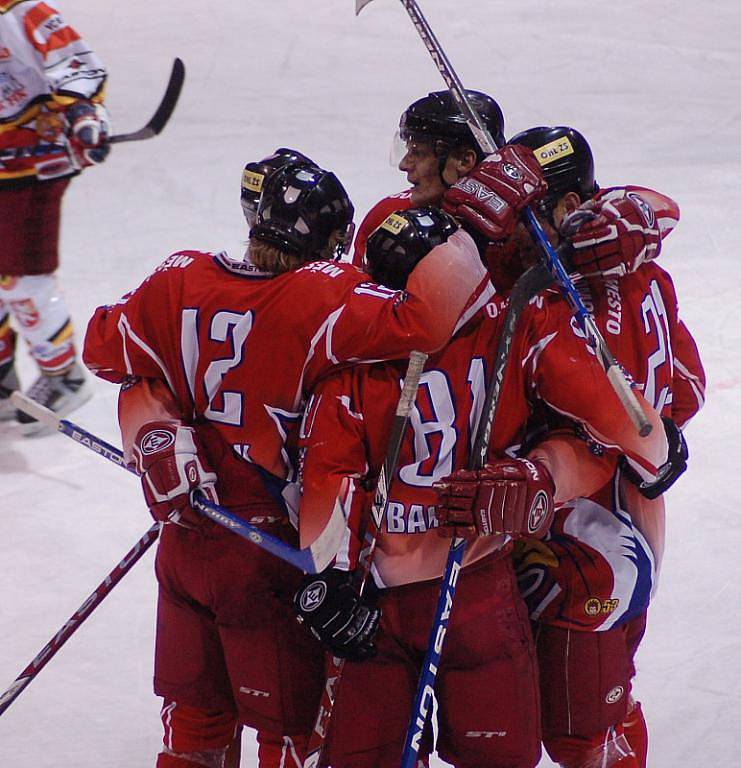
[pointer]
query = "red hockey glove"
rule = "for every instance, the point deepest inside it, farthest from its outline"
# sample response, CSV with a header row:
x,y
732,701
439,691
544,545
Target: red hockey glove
x,y
513,496
490,199
612,238
171,463
89,131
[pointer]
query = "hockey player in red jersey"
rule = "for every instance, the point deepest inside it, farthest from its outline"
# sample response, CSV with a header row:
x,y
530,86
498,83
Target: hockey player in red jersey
x,y
216,357
52,125
588,584
436,148
487,681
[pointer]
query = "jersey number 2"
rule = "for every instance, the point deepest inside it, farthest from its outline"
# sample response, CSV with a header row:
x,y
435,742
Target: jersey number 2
x,y
224,407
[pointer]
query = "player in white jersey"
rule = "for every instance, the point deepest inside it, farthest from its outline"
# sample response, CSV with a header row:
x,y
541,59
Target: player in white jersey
x,y
52,125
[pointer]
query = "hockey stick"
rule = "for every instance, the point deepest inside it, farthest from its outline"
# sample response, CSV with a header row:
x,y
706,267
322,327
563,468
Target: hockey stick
x,y
75,620
365,560
311,559
528,285
487,144
164,110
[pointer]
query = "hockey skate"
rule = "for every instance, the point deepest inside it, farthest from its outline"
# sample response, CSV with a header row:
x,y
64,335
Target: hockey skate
x,y
8,383
61,394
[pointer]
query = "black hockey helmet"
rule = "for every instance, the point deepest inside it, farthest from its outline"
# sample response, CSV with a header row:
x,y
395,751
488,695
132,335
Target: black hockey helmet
x,y
253,177
436,118
403,239
300,207
566,159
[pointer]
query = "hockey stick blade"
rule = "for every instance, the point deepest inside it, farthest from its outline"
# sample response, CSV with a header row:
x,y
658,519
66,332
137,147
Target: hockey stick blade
x,y
164,111
311,559
360,4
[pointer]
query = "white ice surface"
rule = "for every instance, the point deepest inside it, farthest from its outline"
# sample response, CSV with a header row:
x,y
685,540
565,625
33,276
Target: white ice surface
x,y
655,86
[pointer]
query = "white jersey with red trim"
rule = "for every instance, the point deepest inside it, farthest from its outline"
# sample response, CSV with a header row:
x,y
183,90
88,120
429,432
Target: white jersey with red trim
x,y
44,67
239,348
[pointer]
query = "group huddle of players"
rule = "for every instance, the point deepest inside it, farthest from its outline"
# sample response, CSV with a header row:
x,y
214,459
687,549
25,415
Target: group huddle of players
x,y
271,384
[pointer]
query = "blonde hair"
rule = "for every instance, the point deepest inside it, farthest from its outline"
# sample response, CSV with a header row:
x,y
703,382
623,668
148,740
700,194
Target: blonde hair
x,y
271,258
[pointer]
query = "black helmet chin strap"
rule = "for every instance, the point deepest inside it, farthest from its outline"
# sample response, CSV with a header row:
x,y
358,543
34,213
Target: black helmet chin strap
x,y
442,150
441,163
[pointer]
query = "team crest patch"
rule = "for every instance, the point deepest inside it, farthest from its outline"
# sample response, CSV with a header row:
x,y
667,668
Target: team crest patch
x,y
26,313
156,440
646,210
512,171
313,596
538,511
593,607
614,695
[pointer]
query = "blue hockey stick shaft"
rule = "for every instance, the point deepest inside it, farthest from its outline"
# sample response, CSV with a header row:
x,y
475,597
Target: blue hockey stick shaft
x,y
529,284
302,559
422,708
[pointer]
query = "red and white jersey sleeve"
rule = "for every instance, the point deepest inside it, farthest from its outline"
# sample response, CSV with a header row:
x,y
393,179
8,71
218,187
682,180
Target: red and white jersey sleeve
x,y
553,364
688,383
240,349
374,218
44,66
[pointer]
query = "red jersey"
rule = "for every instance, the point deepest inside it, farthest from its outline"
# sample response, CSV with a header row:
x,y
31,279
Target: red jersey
x,y
239,348
609,543
348,420
638,315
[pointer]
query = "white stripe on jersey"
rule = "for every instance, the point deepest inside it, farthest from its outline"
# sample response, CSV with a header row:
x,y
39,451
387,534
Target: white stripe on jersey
x,y
124,328
692,380
486,296
325,328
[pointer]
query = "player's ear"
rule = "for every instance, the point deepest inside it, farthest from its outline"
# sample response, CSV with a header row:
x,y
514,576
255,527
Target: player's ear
x,y
571,201
466,161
